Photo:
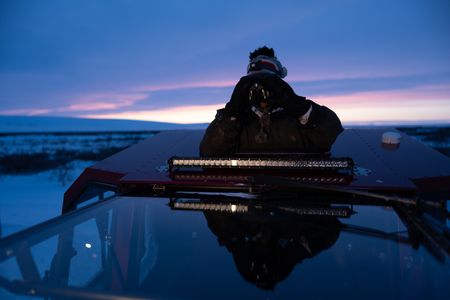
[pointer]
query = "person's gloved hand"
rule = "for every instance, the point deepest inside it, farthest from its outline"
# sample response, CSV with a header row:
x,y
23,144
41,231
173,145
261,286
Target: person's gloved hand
x,y
239,103
282,95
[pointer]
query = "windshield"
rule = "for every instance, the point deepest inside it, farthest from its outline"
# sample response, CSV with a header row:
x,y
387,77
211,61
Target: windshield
x,y
201,249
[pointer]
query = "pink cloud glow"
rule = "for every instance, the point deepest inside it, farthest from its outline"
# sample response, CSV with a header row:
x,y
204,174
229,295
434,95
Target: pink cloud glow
x,y
180,114
93,106
24,112
424,103
90,102
422,94
101,101
356,111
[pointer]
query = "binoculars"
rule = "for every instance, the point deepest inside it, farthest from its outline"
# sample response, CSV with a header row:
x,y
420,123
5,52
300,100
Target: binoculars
x,y
258,94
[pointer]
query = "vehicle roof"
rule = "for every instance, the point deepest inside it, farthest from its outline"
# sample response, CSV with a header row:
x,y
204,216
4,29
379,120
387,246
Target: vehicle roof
x,y
410,167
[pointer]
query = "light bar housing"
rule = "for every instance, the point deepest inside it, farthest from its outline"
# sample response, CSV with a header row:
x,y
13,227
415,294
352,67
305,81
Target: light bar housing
x,y
219,207
294,163
330,211
340,212
330,178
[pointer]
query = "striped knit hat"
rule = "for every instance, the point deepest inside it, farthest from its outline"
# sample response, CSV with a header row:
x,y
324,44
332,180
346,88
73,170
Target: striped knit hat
x,y
264,63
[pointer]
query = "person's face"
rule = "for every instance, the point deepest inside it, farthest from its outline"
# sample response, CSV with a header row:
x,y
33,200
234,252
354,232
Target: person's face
x,y
264,105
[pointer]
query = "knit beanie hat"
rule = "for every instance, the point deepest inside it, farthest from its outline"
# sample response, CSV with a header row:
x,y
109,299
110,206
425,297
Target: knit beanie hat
x,y
263,63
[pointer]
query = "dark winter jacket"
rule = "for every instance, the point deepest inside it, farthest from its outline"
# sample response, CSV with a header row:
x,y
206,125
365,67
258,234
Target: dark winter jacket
x,y
228,136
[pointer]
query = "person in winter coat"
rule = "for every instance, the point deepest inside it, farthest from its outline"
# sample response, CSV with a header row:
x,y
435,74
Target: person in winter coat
x,y
265,115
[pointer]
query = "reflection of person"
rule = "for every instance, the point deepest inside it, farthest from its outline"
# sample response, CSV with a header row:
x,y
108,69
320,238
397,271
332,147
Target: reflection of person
x,y
266,248
265,115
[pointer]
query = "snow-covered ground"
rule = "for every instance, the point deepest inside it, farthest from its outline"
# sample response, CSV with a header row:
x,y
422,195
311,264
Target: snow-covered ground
x,y
437,137
41,156
26,200
50,143
36,170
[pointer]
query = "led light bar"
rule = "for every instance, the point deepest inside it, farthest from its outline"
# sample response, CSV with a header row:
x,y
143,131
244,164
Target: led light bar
x,y
342,212
230,208
262,163
198,176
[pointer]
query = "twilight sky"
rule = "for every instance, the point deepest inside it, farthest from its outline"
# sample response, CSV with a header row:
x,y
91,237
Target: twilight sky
x,y
177,61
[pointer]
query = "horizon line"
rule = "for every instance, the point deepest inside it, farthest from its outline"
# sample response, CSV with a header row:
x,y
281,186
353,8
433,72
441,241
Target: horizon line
x,y
344,123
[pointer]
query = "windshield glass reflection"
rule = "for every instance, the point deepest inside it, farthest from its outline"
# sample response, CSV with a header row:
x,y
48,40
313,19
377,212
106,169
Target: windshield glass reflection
x,y
225,248
266,247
